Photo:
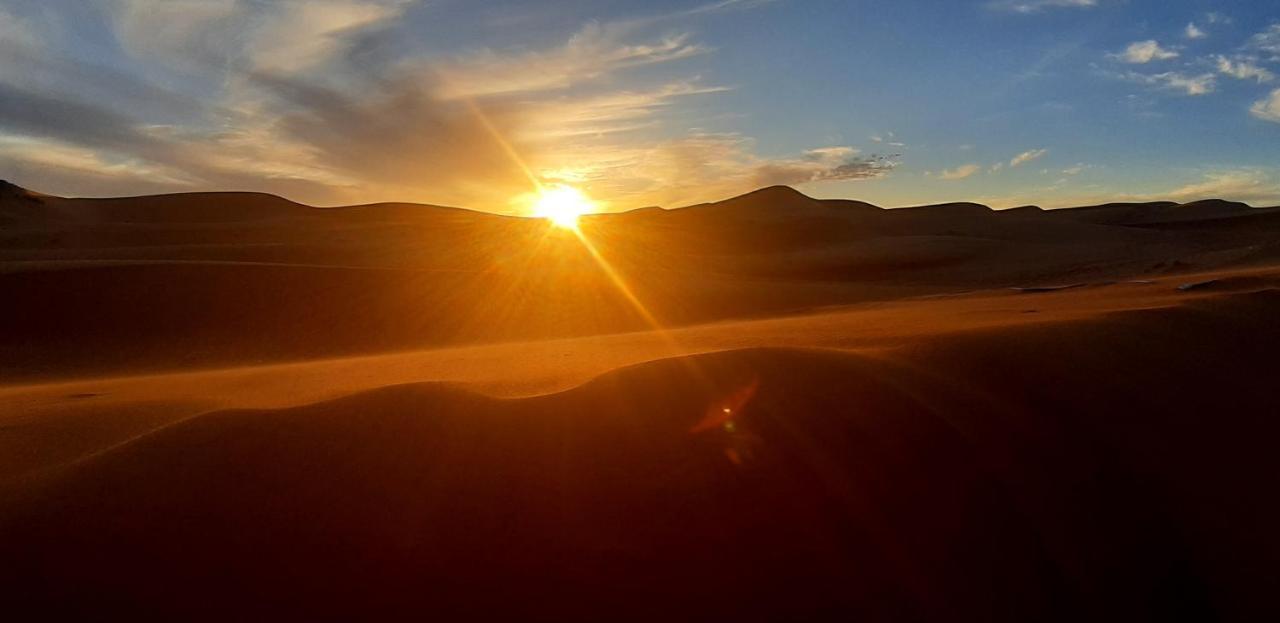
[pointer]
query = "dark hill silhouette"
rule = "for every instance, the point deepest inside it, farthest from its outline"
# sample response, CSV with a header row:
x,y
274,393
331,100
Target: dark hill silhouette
x,y
214,207
9,190
769,198
1155,212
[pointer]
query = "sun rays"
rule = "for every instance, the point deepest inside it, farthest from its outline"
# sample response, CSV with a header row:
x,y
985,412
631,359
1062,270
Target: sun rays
x,y
562,204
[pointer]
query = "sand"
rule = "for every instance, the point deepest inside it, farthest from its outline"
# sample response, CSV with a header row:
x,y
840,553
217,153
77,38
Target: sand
x,y
847,412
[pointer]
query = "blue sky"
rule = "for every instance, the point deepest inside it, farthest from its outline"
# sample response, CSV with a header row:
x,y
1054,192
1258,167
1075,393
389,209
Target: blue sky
x,y
463,102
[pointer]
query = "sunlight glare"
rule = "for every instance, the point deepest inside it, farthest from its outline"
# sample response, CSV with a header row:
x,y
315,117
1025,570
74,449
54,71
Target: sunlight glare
x,y
562,205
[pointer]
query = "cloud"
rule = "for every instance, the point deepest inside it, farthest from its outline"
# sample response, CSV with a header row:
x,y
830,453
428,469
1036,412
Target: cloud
x,y
594,51
607,113
316,100
1201,84
18,32
1251,185
1254,185
708,166
402,138
960,172
86,171
1142,52
1075,170
1036,6
728,4
312,32
32,113
1243,70
179,31
39,126
63,117
37,70
284,35
1266,42
822,165
889,138
1194,32
1258,186
1027,156
473,152
1268,109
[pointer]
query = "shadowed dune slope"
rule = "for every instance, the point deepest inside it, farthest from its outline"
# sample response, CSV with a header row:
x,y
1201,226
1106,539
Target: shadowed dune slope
x,y
1110,469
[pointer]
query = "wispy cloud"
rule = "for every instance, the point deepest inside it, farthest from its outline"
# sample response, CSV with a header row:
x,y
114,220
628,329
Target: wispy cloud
x,y
1194,32
18,32
285,35
317,101
960,172
889,138
1243,69
705,166
1259,186
1027,156
1255,185
607,113
594,51
726,5
84,170
822,165
1036,6
1142,52
1200,84
1252,185
1266,42
1268,109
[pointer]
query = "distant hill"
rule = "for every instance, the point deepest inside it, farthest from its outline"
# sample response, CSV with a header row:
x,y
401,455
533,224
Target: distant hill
x,y
768,202
1155,212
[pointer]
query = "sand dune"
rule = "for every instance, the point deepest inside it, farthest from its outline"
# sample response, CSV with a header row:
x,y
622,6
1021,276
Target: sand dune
x,y
223,403
54,422
972,474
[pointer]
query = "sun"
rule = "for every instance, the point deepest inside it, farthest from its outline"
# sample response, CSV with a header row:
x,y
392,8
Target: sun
x,y
562,205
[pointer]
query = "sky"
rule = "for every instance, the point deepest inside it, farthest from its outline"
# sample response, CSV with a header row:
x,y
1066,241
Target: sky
x,y
477,103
